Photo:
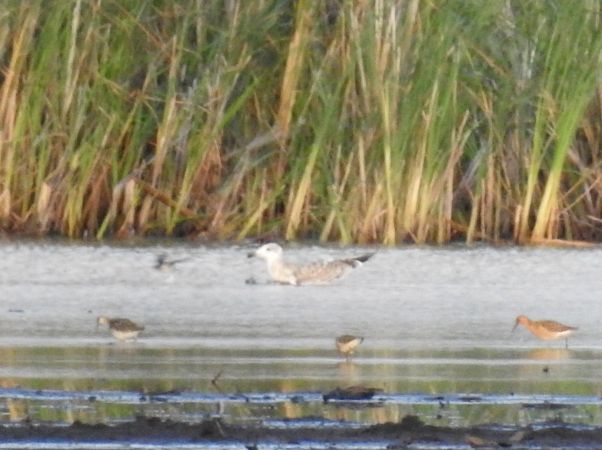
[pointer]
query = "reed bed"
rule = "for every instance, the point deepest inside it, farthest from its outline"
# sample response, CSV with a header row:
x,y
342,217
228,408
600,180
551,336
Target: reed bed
x,y
380,121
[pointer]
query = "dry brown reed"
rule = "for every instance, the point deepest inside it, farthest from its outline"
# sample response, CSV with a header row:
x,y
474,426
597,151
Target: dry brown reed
x,y
369,122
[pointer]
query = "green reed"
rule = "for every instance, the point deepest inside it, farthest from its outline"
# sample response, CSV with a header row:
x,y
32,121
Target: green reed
x,y
385,121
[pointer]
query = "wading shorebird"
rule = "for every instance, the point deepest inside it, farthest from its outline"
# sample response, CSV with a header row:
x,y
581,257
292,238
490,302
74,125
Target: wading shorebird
x,y
347,343
313,273
164,265
545,329
121,329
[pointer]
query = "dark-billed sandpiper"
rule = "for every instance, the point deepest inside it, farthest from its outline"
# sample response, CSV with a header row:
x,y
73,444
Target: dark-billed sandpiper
x,y
347,343
122,329
545,329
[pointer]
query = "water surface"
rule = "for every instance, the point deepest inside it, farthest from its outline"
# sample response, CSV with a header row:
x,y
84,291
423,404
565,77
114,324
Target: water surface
x,y
437,323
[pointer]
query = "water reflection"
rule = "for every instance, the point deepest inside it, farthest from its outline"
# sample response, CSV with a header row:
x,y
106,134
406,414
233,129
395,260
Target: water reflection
x,y
151,371
477,370
17,409
549,354
349,371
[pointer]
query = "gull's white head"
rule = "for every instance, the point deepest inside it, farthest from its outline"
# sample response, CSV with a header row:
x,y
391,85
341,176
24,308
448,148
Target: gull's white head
x,y
269,252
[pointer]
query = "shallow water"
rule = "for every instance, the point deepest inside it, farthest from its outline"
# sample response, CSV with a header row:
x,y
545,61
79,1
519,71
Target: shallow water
x,y
437,323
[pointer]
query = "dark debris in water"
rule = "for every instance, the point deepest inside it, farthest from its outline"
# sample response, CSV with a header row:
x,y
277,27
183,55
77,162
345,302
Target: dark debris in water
x,y
163,396
351,393
296,399
411,430
546,405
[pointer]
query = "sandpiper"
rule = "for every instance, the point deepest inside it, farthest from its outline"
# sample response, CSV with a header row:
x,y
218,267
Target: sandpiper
x,y
347,343
313,273
122,329
545,329
165,264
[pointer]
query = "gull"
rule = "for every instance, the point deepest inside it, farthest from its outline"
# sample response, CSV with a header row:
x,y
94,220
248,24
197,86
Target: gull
x,y
122,329
545,329
313,273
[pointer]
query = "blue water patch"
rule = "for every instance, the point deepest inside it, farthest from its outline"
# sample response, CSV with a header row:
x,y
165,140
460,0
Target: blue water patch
x,y
110,445
206,445
176,397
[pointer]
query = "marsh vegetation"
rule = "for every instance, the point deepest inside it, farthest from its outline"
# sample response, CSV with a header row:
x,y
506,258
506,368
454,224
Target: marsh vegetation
x,y
349,121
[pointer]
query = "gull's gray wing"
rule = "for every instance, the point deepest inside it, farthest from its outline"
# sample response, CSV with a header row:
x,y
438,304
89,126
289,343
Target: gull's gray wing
x,y
321,272
327,271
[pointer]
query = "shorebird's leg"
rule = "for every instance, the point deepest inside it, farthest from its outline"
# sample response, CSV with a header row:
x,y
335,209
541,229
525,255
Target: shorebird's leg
x,y
566,342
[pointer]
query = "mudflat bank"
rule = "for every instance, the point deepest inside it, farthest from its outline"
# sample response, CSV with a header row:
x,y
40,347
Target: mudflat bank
x,y
409,432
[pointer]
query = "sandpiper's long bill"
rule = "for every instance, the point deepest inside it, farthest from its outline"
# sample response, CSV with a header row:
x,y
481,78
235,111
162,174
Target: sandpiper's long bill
x,y
347,343
545,329
121,328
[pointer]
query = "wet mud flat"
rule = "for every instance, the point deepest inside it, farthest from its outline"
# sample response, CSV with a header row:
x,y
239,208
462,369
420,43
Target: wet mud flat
x,y
410,433
187,419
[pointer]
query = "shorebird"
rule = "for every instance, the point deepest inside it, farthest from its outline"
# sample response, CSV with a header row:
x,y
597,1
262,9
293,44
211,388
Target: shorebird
x,y
121,329
347,343
545,329
314,273
164,264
